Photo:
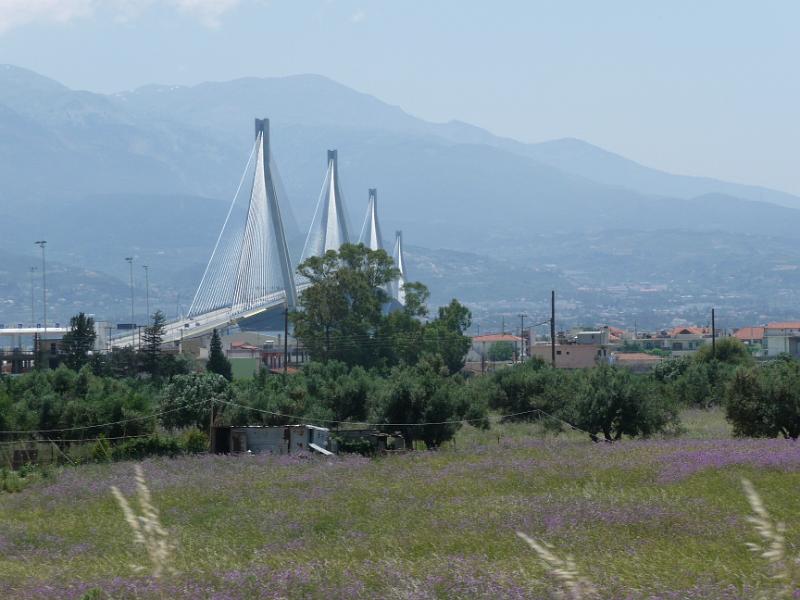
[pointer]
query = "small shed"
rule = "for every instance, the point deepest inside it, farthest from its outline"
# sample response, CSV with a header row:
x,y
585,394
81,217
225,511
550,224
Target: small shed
x,y
280,439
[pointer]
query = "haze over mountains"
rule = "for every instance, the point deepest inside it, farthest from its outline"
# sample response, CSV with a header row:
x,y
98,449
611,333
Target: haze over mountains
x,y
151,171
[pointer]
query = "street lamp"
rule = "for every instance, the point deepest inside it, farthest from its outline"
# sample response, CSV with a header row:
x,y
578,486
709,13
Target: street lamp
x,y
41,244
33,303
129,260
147,288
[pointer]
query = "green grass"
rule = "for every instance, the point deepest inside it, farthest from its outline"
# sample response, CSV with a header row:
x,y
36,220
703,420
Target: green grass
x,y
641,519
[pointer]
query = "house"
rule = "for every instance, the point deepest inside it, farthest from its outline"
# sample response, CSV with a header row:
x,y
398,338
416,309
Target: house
x,y
752,337
782,337
281,439
638,362
572,356
482,344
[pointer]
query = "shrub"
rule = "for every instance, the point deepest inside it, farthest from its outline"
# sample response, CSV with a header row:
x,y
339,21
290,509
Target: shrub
x,y
195,441
765,402
614,402
101,451
140,448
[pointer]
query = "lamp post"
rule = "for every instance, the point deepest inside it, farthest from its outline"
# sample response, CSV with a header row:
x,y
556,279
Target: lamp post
x,y
129,260
147,288
42,244
33,303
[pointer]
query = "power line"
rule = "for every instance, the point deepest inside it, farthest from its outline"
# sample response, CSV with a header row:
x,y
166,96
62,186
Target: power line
x,y
85,427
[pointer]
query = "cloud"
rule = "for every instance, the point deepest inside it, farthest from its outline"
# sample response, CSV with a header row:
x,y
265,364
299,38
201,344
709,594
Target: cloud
x,y
358,16
16,13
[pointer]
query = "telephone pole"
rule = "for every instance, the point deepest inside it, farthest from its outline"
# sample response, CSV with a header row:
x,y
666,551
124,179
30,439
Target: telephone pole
x,y
129,260
147,289
33,303
521,336
41,244
553,327
713,335
285,340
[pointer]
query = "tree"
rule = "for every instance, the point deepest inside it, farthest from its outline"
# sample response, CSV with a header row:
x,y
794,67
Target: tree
x,y
765,402
613,402
728,350
78,341
153,338
501,351
217,361
424,394
445,335
188,398
342,309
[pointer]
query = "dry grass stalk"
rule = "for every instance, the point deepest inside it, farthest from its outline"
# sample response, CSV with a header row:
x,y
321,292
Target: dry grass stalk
x,y
564,570
773,546
146,527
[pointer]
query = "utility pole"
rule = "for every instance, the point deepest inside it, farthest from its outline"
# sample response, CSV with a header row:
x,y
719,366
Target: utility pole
x,y
129,260
553,327
147,289
285,340
33,305
521,337
713,335
41,244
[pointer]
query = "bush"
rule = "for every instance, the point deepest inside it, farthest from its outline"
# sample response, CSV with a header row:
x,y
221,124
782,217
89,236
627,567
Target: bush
x,y
194,441
140,448
765,402
614,402
501,351
355,446
101,451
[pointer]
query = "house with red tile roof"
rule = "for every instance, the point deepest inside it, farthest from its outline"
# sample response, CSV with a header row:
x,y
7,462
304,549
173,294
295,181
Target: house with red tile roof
x,y
782,338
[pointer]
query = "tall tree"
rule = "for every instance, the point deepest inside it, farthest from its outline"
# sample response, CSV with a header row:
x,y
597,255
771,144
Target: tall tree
x,y
445,335
342,309
78,341
217,361
153,338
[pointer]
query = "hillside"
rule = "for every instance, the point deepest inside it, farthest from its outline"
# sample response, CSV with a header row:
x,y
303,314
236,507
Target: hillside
x,y
150,173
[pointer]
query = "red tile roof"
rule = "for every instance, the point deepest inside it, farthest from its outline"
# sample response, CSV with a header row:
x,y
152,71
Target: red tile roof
x,y
690,329
625,357
495,337
784,325
750,333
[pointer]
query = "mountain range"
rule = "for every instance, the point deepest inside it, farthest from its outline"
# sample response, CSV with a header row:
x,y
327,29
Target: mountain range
x,y
150,172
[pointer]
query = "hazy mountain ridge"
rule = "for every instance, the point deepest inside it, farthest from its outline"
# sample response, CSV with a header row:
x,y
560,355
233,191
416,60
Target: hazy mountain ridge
x,y
150,173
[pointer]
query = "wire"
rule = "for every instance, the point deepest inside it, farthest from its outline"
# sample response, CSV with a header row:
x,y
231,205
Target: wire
x,y
56,442
85,427
297,418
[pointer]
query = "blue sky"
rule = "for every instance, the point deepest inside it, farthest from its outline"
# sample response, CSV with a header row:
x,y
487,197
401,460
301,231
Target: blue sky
x,y
704,88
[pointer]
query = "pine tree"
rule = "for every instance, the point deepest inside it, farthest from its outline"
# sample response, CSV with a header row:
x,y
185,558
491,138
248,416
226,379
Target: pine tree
x,y
217,361
79,341
153,338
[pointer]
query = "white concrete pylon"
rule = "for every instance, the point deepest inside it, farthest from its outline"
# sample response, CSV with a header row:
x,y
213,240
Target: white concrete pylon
x,y
329,228
371,230
397,291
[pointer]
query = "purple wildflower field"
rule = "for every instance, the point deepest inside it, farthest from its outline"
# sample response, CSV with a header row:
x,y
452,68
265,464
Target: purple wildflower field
x,y
642,519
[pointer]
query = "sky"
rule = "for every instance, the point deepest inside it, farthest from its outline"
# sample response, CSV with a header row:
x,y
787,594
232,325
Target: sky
x,y
706,88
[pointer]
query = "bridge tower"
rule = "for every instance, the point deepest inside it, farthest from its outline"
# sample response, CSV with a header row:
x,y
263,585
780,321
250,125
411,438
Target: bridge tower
x,y
371,230
329,228
250,267
397,292
267,165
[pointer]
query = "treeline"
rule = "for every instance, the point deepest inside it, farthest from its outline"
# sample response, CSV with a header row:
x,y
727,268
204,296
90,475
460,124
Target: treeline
x,y
67,406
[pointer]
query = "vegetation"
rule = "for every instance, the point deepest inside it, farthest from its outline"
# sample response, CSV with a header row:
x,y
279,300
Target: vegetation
x,y
217,361
501,351
434,525
78,342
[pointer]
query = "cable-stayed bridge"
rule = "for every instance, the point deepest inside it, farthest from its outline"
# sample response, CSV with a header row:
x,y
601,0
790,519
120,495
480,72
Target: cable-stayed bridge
x,y
250,270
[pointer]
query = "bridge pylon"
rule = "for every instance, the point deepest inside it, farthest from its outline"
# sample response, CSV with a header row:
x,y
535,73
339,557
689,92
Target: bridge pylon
x,y
329,228
371,229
